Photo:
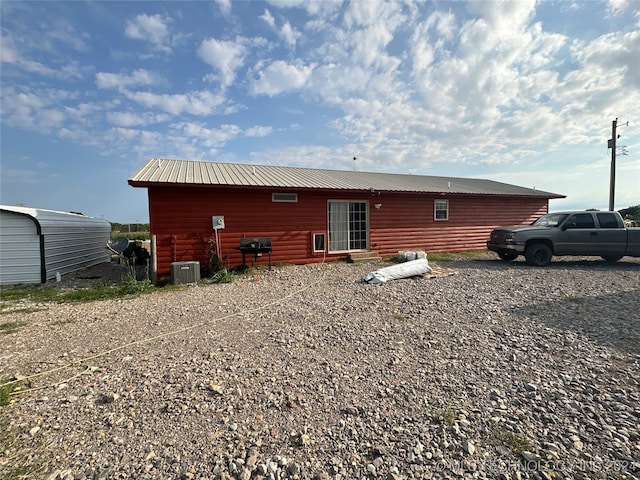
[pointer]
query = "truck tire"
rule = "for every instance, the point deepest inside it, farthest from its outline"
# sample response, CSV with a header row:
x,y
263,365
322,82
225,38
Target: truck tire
x,y
612,258
538,254
507,256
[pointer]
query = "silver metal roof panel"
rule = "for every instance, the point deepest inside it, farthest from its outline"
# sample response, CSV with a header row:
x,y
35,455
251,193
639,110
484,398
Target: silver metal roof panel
x,y
195,172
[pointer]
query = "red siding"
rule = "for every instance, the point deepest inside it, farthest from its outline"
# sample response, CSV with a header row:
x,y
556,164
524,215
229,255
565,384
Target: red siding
x,y
408,223
181,220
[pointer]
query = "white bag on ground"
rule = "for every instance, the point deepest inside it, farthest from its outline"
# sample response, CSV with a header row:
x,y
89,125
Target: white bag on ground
x,y
402,270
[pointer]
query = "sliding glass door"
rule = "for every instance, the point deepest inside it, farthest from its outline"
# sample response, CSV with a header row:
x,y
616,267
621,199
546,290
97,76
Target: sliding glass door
x,y
347,226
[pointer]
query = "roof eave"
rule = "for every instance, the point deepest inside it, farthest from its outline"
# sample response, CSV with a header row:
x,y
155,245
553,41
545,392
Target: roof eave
x,y
148,184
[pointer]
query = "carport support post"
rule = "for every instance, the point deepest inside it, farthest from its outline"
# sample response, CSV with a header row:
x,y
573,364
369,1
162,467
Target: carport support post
x,y
612,146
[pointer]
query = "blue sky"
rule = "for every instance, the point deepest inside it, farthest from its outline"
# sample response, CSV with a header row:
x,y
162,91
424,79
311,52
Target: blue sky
x,y
522,92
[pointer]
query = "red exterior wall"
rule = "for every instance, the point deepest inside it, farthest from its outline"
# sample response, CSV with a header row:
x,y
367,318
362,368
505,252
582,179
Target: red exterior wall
x,y
180,218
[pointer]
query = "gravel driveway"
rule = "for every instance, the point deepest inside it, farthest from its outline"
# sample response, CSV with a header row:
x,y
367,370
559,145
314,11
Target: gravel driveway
x,y
499,371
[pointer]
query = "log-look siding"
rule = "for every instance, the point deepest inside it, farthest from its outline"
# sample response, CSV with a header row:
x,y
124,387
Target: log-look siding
x,y
180,218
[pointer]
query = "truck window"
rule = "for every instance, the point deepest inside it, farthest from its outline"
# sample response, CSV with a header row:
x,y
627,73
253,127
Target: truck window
x,y
581,220
550,220
607,220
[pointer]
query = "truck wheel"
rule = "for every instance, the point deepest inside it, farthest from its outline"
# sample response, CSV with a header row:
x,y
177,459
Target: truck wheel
x,y
612,258
507,255
538,254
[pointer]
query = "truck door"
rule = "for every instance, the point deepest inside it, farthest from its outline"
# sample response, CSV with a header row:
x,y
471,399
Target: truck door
x,y
577,235
612,237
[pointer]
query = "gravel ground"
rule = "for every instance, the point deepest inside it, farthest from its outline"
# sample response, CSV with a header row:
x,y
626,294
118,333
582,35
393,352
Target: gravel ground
x,y
499,371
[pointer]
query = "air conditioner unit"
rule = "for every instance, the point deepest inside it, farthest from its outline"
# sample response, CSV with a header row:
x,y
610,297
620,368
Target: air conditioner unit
x,y
218,222
185,272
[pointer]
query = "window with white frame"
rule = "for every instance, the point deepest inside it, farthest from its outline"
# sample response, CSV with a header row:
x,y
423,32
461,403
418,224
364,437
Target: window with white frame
x,y
284,197
441,210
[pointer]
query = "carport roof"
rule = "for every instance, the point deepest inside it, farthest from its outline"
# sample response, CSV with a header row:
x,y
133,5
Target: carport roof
x,y
162,171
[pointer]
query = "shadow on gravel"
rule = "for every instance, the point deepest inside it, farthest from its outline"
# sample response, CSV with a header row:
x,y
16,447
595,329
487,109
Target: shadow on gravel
x,y
628,264
612,320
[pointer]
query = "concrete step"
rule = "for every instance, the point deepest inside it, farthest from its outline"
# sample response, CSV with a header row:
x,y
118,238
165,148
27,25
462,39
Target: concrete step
x,y
364,257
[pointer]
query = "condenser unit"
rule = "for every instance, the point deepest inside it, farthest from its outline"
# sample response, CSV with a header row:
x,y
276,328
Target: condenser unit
x,y
185,272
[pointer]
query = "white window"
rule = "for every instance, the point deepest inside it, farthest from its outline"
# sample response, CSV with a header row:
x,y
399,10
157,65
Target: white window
x,y
284,197
348,226
319,242
441,210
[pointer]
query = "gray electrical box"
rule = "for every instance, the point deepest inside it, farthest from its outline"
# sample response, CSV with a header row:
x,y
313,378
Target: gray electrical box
x,y
185,272
218,222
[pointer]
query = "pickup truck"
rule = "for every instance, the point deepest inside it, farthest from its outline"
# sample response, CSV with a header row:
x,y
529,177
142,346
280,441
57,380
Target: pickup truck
x,y
587,233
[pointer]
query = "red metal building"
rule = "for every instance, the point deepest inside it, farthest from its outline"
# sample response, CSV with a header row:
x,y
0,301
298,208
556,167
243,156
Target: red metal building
x,y
314,214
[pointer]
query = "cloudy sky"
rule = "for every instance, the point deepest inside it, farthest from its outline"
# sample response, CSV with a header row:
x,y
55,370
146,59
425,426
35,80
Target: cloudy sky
x,y
522,92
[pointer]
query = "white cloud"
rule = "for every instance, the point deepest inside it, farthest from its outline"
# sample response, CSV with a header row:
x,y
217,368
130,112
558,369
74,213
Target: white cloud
x,y
268,18
125,119
36,110
225,56
501,64
288,33
209,137
123,81
66,34
334,82
259,131
615,55
324,8
279,77
134,119
10,54
82,111
225,6
214,138
194,103
125,133
16,176
152,28
618,6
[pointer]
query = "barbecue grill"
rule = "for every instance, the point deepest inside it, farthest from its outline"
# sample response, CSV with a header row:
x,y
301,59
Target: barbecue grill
x,y
255,247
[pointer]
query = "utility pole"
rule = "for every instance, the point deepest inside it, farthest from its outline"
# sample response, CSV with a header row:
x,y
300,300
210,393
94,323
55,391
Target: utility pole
x,y
612,146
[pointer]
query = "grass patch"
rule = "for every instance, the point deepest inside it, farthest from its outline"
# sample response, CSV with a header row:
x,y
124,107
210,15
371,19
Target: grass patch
x,y
7,438
11,327
106,291
62,322
221,276
7,386
100,291
37,294
448,416
574,299
22,465
4,310
516,442
281,265
446,257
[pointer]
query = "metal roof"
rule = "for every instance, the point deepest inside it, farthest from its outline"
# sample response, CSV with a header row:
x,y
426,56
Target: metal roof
x,y
54,218
162,171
